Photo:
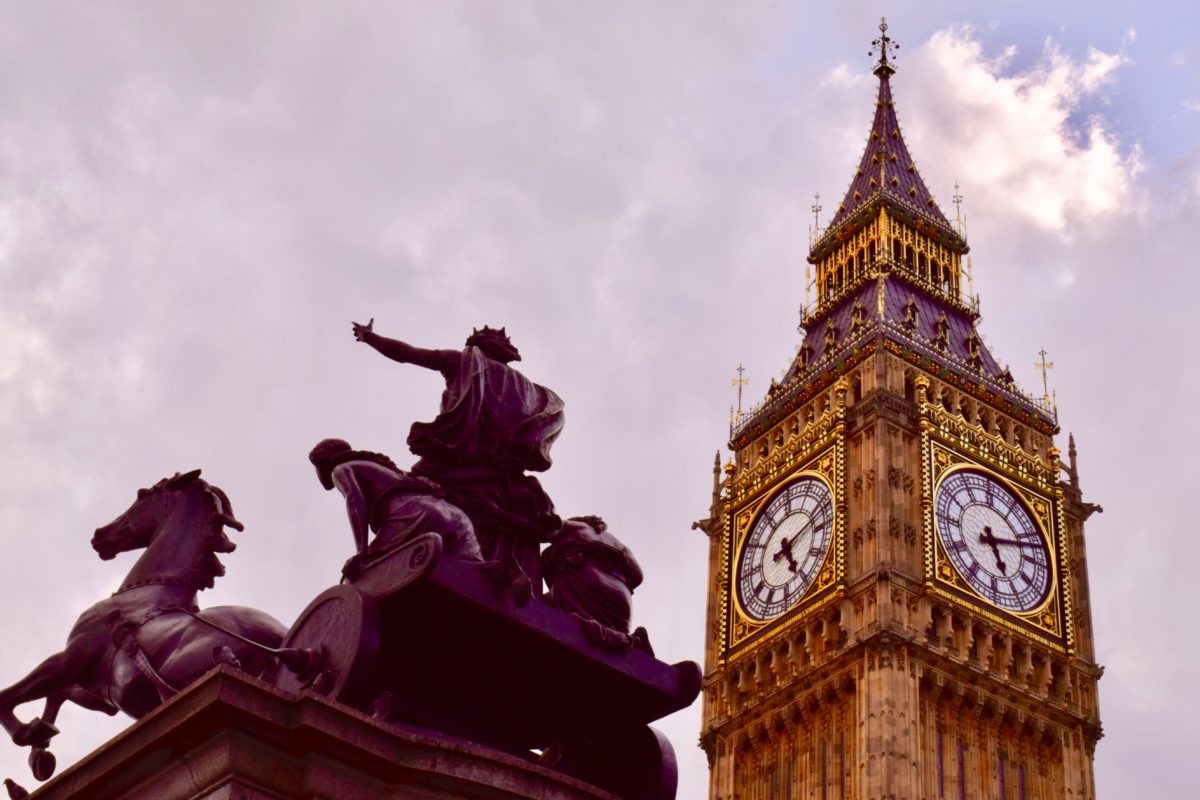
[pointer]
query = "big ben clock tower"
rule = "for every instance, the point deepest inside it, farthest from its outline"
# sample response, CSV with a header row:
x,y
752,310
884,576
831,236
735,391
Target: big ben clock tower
x,y
898,603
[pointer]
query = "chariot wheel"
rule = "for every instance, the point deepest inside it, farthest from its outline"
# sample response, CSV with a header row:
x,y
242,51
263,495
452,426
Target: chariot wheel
x,y
342,624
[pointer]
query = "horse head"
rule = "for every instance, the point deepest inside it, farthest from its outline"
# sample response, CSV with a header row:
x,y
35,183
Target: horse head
x,y
187,515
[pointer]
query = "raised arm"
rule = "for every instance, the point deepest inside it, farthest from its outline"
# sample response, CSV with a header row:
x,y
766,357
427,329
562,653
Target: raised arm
x,y
396,350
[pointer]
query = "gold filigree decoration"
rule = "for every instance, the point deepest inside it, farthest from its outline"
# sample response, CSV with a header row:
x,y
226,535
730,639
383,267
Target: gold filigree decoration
x,y
796,446
990,447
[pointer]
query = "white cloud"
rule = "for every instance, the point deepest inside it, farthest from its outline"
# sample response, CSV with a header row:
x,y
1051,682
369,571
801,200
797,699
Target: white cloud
x,y
1022,140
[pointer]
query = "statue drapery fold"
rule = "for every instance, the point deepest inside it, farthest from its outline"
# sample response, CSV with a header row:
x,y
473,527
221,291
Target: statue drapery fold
x,y
491,415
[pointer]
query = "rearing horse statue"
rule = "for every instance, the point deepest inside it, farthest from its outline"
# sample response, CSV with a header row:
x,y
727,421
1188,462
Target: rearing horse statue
x,y
134,650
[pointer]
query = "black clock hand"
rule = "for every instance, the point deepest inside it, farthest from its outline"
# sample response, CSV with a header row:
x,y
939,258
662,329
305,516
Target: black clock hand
x,y
1017,542
785,551
987,538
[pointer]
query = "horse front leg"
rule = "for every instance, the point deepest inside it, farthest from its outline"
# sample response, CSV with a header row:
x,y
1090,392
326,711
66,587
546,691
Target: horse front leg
x,y
49,678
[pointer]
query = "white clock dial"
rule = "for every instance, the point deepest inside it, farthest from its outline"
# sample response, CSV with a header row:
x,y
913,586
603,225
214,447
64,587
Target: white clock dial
x,y
991,539
785,548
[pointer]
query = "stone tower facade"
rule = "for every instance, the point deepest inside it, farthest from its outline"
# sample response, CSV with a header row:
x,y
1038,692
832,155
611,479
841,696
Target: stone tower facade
x,y
898,601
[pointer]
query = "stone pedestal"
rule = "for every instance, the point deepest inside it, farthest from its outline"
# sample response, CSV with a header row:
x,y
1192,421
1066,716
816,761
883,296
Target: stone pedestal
x,y
231,737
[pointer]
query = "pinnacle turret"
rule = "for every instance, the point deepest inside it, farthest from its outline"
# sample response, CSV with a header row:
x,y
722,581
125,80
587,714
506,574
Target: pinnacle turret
x,y
887,174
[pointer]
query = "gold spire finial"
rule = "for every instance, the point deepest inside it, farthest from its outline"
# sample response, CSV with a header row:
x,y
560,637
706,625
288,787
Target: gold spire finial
x,y
1045,365
740,381
885,47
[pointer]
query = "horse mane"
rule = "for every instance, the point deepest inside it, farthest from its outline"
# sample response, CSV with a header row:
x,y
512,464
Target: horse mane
x,y
206,567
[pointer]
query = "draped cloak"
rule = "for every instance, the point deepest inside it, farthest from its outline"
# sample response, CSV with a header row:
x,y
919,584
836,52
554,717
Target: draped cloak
x,y
491,416
495,424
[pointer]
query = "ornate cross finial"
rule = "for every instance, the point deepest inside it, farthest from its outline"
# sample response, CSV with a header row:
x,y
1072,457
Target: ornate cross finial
x,y
958,198
740,381
814,232
884,46
1045,365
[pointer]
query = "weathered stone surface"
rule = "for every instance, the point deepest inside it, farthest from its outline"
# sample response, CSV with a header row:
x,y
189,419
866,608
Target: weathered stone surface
x,y
232,737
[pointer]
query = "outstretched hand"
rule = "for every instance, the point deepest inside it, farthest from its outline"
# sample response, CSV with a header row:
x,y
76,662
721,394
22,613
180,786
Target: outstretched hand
x,y
364,332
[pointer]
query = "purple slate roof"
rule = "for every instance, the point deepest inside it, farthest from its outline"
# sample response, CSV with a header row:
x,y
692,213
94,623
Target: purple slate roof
x,y
929,311
956,355
841,317
888,174
897,293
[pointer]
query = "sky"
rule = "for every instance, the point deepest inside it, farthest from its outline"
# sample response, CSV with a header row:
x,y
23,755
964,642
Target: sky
x,y
197,198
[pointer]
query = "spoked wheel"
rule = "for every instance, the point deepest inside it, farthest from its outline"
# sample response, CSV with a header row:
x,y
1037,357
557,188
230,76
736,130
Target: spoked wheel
x,y
42,762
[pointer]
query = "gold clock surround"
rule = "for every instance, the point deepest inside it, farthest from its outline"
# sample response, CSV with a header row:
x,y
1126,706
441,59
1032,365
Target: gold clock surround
x,y
1050,621
825,463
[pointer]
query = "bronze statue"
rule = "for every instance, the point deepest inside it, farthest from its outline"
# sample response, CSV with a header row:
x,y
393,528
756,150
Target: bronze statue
x,y
396,505
494,426
592,575
137,648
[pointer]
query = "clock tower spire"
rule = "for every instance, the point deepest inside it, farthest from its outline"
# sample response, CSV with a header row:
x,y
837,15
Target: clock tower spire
x,y
898,599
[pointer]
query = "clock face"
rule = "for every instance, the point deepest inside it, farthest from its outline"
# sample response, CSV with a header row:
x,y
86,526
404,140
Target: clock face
x,y
991,539
785,548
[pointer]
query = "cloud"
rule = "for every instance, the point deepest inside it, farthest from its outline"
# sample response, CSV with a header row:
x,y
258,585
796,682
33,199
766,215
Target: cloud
x,y
195,201
1025,141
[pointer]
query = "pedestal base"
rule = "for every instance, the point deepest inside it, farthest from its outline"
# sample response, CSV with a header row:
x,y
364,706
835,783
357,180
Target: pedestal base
x,y
231,737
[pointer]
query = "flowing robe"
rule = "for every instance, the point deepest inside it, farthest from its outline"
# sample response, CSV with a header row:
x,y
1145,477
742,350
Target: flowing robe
x,y
491,416
495,424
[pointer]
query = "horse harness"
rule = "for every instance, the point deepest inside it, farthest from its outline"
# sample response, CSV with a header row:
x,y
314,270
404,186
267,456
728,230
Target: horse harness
x,y
124,630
